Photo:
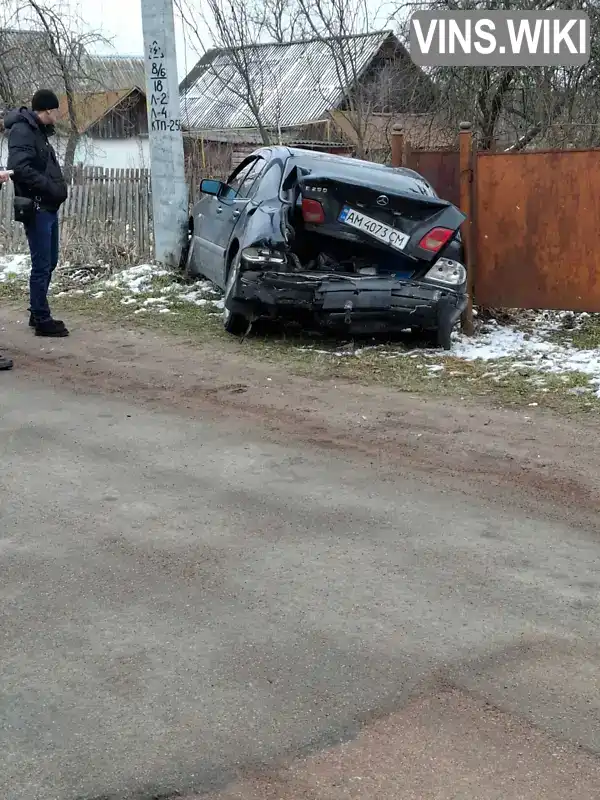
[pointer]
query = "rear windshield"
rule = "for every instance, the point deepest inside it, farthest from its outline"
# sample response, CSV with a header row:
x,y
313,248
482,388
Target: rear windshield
x,y
365,172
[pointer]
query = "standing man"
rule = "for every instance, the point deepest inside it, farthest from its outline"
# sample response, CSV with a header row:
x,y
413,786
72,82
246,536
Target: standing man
x,y
40,190
5,363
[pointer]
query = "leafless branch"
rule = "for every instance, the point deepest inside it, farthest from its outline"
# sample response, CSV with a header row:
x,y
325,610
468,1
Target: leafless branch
x,y
242,71
516,107
66,42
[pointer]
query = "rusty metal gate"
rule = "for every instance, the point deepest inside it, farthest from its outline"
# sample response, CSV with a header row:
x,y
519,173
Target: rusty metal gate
x,y
536,230
441,168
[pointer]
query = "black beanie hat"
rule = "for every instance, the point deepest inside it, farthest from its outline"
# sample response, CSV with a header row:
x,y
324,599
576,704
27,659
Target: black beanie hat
x,y
44,100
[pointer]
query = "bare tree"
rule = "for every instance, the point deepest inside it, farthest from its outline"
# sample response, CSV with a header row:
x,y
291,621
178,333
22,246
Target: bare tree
x,y
68,48
240,69
61,44
513,105
8,55
368,84
280,20
251,75
336,24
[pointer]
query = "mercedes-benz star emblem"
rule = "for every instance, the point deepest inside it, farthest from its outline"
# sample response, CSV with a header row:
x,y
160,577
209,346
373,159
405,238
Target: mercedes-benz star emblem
x,y
382,200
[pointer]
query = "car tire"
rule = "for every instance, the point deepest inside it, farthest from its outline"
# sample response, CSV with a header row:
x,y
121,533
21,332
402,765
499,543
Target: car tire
x,y
444,337
234,323
432,339
187,260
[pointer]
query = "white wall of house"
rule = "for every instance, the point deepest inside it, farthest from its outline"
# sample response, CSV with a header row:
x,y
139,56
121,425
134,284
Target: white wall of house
x,y
131,153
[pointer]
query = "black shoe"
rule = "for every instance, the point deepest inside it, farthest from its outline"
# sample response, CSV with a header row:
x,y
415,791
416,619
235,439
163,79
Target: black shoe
x,y
32,321
5,363
51,327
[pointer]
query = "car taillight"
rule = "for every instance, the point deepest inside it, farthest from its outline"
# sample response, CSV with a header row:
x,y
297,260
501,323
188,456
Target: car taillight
x,y
435,239
312,211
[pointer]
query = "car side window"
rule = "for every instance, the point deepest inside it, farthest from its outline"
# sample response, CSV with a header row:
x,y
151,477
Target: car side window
x,y
251,177
237,177
269,183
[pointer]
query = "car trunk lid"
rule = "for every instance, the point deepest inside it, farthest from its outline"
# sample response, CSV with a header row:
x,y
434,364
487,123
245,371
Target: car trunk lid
x,y
412,224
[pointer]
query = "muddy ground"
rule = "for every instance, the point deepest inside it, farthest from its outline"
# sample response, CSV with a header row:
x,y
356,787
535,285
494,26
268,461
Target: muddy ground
x,y
546,460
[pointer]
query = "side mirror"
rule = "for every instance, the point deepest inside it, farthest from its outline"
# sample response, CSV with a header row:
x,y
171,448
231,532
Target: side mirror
x,y
208,186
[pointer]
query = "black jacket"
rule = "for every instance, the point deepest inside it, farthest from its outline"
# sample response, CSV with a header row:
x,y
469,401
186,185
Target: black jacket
x,y
37,173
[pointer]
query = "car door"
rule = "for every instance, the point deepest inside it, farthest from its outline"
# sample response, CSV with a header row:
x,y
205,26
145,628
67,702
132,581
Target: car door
x,y
210,225
232,207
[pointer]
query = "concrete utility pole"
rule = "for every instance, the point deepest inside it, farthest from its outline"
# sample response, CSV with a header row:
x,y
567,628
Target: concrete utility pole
x,y
169,189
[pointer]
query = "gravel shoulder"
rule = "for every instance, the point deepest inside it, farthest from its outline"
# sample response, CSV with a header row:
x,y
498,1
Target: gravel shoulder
x,y
443,747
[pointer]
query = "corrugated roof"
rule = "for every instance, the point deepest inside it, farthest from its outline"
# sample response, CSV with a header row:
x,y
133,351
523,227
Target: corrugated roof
x,y
26,65
253,137
294,83
113,73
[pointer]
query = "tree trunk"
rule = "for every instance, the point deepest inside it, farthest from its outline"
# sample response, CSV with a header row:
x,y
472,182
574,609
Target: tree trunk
x,y
491,105
70,155
361,150
534,130
264,133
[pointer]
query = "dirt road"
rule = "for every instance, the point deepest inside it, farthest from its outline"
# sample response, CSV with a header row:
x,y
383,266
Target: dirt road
x,y
214,574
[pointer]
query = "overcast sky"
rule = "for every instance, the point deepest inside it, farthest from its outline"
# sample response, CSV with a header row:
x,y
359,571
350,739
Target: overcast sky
x,y
121,21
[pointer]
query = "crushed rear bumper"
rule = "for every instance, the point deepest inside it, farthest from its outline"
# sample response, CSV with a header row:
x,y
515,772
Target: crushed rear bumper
x,y
349,302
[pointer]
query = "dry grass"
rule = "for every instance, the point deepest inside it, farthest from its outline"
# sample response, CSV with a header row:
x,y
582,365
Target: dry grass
x,y
85,252
399,365
387,365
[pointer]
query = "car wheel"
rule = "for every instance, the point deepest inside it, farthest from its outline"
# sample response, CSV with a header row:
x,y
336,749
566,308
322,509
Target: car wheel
x,y
188,260
233,322
444,337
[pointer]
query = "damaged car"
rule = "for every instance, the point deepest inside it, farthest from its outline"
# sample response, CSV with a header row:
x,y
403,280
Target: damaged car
x,y
330,242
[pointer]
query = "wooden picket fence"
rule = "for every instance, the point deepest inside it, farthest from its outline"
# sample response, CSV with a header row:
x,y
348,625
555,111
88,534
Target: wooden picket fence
x,y
108,215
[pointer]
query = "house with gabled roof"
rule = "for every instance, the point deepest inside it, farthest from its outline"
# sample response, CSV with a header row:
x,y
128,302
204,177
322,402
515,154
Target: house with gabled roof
x,y
329,92
27,63
112,126
110,99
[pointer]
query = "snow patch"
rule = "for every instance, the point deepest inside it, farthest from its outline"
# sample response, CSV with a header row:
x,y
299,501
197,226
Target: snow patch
x,y
505,349
530,351
14,267
136,279
500,343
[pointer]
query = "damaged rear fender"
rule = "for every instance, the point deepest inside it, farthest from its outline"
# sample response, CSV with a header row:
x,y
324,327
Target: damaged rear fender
x,y
267,230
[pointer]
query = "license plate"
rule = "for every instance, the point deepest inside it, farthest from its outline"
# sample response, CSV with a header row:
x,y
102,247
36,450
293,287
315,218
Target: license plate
x,y
385,234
